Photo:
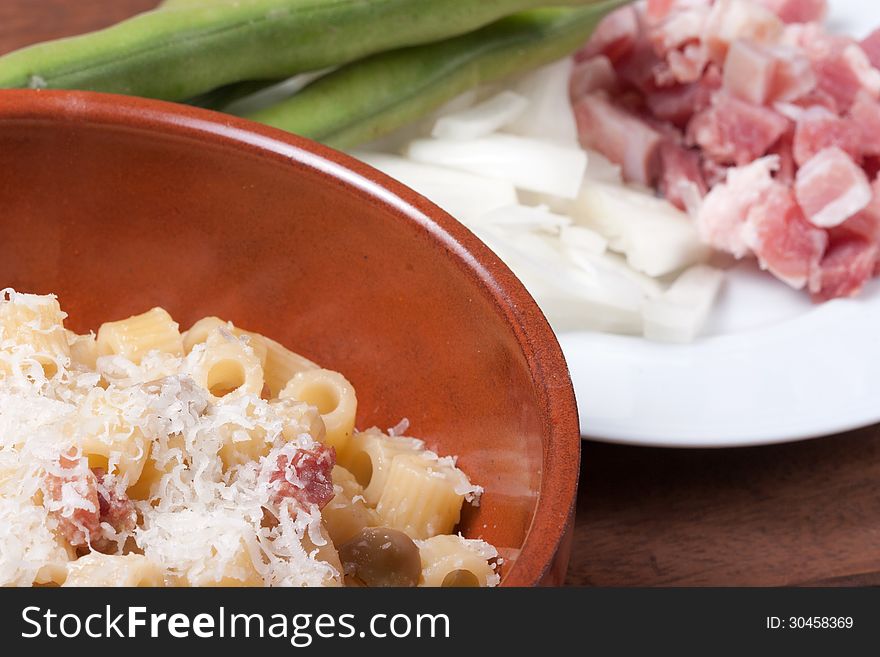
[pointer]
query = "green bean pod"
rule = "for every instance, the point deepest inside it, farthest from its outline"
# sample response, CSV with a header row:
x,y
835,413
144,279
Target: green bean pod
x,y
367,99
182,51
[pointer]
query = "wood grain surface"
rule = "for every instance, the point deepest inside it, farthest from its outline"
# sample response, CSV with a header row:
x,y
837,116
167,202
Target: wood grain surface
x,y
790,514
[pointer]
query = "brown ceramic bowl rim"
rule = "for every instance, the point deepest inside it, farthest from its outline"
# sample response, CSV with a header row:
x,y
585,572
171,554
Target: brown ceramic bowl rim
x,y
561,444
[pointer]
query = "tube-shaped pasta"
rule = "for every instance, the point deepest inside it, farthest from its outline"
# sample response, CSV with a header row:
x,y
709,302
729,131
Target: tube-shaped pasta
x,y
36,321
369,455
333,396
109,441
326,553
227,366
83,349
236,571
152,472
451,560
54,569
199,332
299,418
422,495
347,513
281,363
242,445
96,569
132,338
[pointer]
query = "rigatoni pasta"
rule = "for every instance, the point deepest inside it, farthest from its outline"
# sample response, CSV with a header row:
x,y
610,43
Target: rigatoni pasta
x,y
136,336
332,395
370,455
449,560
141,456
422,495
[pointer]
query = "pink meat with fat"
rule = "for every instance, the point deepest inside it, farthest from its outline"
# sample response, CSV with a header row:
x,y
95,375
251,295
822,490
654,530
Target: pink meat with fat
x,y
732,131
865,115
844,72
793,76
730,20
783,150
844,270
619,135
871,45
721,218
744,79
687,65
614,36
681,181
749,72
594,74
831,188
798,11
782,239
818,128
677,104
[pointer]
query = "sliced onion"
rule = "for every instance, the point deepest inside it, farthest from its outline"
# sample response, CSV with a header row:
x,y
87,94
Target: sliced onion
x,y
482,119
549,114
655,236
530,164
681,313
463,195
525,217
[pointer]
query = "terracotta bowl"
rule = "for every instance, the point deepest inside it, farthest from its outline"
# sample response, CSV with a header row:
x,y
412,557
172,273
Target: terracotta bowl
x,y
119,204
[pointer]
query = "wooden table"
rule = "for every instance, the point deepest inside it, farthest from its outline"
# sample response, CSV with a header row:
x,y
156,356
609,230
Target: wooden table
x,y
651,517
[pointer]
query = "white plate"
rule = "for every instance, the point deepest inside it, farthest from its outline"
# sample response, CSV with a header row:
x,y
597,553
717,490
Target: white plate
x,y
773,367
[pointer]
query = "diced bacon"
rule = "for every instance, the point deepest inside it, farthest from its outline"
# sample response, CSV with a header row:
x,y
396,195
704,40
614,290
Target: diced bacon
x,y
846,267
678,28
831,188
793,76
591,75
749,72
687,65
73,500
87,499
116,509
679,103
306,478
713,173
641,68
735,132
783,150
730,20
844,72
865,114
871,45
721,219
865,224
614,36
659,9
681,177
817,98
798,11
784,243
620,136
817,128
813,40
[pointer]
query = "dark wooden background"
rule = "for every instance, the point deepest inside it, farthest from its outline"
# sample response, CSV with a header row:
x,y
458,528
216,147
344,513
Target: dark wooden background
x,y
777,515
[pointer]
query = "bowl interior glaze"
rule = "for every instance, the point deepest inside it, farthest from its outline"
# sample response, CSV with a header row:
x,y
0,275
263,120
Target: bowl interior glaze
x,y
117,205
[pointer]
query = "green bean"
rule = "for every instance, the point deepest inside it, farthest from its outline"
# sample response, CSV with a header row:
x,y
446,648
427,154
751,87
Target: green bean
x,y
362,101
177,53
221,97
